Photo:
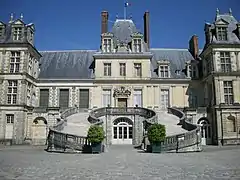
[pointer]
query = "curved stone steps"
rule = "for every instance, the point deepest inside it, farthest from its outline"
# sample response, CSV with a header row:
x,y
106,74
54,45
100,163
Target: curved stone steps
x,y
170,121
77,124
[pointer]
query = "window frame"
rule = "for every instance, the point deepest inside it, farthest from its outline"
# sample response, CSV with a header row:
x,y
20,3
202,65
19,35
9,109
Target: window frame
x,y
12,92
137,69
15,59
107,69
9,118
228,92
225,61
122,69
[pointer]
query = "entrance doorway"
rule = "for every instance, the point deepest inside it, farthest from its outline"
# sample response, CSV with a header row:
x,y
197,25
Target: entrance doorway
x,y
122,102
205,130
122,131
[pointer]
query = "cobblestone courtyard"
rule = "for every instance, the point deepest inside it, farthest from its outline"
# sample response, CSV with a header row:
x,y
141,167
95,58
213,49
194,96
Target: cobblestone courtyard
x,y
121,162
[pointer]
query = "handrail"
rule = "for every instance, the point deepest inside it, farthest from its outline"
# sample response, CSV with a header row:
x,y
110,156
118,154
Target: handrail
x,y
150,115
189,141
60,141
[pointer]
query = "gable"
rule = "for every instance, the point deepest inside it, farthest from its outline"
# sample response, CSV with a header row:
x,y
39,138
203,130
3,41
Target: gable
x,y
18,22
2,24
221,22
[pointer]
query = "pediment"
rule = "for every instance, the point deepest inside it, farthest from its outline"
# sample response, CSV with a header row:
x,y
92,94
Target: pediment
x,y
2,24
221,22
18,22
32,26
137,34
163,61
107,34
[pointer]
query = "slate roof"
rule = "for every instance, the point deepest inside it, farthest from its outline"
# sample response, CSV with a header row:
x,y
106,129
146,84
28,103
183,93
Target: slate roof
x,y
7,38
232,26
122,31
66,64
75,64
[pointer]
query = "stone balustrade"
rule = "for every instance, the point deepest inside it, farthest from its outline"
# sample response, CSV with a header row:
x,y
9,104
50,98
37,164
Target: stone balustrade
x,y
189,141
60,141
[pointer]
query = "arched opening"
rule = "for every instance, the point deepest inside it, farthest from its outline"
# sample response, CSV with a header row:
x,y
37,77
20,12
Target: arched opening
x,y
122,131
39,131
231,123
206,133
40,120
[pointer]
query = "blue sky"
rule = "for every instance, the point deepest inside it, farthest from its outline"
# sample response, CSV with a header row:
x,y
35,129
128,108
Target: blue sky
x,y
75,24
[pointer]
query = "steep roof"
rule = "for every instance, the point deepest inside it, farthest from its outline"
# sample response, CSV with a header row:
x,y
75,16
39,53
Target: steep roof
x,y
66,64
122,30
75,64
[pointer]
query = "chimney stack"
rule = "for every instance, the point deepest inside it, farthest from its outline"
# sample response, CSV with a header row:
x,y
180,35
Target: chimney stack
x,y
146,28
193,46
104,23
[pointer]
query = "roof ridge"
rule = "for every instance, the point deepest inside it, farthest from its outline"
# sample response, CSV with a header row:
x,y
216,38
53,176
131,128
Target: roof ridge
x,y
80,50
171,49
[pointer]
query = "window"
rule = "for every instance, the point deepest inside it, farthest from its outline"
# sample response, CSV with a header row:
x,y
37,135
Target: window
x,y
222,33
164,71
225,62
17,34
9,118
193,71
1,32
106,97
122,69
14,62
107,45
64,98
84,98
137,45
44,97
137,97
107,69
209,64
29,87
30,65
228,92
12,92
138,69
164,98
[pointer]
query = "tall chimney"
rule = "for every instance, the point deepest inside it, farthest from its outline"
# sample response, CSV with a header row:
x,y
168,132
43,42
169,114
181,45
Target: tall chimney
x,y
146,28
104,23
193,46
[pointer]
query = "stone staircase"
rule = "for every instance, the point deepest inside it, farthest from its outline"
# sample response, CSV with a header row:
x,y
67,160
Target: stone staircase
x,y
170,121
77,124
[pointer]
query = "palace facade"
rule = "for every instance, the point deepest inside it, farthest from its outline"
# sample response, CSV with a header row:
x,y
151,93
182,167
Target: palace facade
x,y
124,72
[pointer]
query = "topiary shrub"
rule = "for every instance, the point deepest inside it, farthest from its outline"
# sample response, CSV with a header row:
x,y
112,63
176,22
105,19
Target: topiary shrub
x,y
95,134
156,133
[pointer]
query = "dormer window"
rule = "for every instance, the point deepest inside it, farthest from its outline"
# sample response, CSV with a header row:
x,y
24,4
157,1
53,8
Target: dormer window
x,y
222,33
192,71
107,45
164,69
137,45
17,33
1,31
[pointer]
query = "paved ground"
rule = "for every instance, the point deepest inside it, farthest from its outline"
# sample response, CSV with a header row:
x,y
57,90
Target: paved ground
x,y
120,163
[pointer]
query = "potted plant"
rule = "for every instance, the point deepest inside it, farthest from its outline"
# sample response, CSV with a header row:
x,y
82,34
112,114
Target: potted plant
x,y
156,134
95,136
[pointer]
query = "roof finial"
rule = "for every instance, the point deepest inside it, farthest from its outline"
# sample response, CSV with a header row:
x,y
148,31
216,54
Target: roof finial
x,y
116,16
217,12
21,16
11,18
230,11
